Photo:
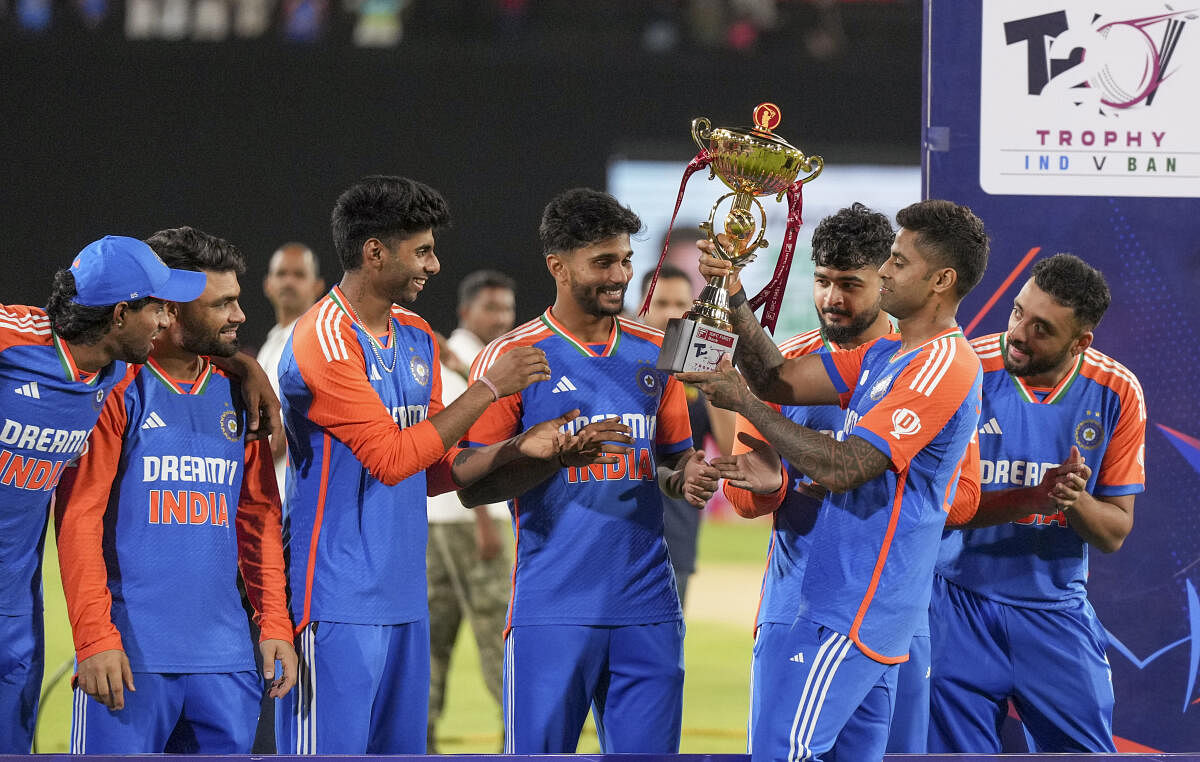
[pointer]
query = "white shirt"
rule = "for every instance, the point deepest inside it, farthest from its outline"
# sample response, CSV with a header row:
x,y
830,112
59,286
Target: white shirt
x,y
268,357
447,507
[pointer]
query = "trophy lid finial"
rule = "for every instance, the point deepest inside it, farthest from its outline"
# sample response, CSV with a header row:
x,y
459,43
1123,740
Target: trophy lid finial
x,y
766,117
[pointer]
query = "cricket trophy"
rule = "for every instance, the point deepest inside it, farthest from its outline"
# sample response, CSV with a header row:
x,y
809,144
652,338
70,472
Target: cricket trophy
x,y
752,162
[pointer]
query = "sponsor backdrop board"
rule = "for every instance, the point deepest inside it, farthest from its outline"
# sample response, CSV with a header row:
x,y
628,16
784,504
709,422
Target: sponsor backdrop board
x,y
1072,125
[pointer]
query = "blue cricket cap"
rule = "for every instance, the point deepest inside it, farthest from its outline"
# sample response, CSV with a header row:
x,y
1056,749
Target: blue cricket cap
x,y
118,268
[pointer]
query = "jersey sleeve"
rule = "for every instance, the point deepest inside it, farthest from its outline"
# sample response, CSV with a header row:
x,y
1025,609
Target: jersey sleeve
x,y
1123,470
749,504
345,404
79,505
502,419
260,544
674,428
844,369
922,400
962,493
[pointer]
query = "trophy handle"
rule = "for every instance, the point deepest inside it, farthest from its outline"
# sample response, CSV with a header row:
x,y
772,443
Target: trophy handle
x,y
808,164
702,131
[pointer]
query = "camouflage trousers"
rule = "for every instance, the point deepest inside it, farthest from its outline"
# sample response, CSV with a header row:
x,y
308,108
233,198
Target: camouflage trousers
x,y
463,587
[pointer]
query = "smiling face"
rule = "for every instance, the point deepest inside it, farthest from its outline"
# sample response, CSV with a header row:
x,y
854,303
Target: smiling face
x,y
1043,337
408,263
209,324
597,275
907,277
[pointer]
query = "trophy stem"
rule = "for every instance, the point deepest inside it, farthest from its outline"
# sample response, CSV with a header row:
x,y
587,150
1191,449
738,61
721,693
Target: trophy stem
x,y
711,307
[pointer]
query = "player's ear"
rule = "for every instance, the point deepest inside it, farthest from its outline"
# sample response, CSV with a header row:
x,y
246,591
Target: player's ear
x,y
943,280
373,252
1081,343
557,266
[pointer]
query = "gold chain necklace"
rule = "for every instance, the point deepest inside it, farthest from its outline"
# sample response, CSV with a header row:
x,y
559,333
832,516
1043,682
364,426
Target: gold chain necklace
x,y
375,342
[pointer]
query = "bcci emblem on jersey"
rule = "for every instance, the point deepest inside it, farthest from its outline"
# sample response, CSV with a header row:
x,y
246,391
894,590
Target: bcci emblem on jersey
x,y
881,387
229,425
419,369
98,399
1089,434
647,379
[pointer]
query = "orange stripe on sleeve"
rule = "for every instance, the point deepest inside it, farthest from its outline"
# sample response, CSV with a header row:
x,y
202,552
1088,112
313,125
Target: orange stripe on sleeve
x,y
331,362
80,503
965,503
260,544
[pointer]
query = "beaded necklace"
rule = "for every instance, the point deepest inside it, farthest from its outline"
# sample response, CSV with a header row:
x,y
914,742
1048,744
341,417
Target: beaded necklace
x,y
375,346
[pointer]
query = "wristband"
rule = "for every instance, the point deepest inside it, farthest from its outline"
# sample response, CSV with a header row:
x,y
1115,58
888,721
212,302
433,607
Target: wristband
x,y
737,299
490,385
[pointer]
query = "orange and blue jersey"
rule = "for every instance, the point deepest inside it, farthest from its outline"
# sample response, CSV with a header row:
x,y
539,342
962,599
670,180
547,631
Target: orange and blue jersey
x,y
873,548
589,540
794,511
47,408
1039,561
356,409
160,514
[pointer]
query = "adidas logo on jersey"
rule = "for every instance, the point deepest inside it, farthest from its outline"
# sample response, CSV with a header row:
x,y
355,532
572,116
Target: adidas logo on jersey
x,y
991,427
564,385
153,421
798,658
29,390
374,375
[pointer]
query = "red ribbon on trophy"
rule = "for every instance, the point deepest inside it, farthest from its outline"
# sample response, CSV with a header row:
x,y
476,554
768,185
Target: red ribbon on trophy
x,y
772,294
701,161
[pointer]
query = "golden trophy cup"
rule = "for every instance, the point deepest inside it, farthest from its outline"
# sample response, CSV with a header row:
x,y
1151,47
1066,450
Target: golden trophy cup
x,y
751,162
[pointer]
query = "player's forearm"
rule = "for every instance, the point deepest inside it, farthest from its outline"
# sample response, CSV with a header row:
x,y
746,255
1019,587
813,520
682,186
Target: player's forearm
x,y
1101,523
471,464
454,420
756,355
514,479
670,474
1003,506
837,466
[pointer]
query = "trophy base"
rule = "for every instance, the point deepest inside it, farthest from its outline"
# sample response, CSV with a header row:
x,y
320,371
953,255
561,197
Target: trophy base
x,y
692,346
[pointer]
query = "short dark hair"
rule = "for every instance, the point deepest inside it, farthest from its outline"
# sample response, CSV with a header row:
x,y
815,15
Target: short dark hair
x,y
479,280
384,207
667,272
186,248
854,237
582,216
76,322
1076,284
953,234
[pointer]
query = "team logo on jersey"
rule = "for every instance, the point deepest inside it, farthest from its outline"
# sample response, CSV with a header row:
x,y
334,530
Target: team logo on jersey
x,y
98,399
648,380
904,422
230,425
419,369
1089,434
881,387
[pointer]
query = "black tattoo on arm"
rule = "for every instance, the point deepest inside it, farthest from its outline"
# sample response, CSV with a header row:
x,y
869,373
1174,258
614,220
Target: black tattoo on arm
x,y
837,466
756,355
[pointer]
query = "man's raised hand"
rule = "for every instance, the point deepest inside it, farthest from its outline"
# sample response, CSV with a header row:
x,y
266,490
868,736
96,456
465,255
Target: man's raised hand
x,y
517,369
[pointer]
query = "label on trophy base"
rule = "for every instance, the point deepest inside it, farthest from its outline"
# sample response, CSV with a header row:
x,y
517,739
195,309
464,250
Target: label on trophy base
x,y
694,347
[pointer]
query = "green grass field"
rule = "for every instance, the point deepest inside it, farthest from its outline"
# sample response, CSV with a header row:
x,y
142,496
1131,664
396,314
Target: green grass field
x,y
720,610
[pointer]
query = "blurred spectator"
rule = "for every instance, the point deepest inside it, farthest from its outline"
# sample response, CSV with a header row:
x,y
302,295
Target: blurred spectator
x,y
681,521
468,560
292,284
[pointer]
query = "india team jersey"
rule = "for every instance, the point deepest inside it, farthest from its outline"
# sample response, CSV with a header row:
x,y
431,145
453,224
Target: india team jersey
x,y
359,441
873,548
793,520
1098,407
47,411
589,540
154,523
